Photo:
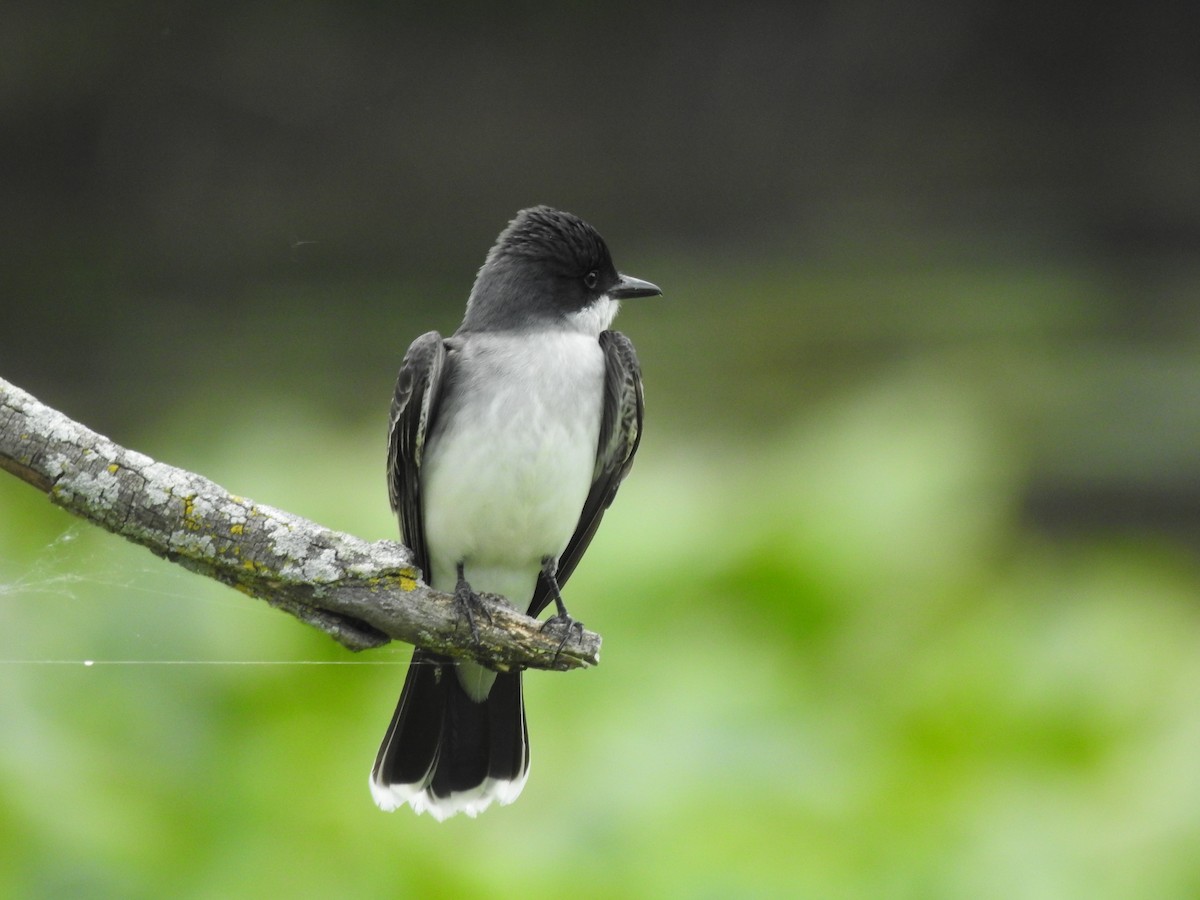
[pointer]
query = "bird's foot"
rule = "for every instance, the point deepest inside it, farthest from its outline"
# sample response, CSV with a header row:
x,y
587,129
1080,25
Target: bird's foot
x,y
568,626
469,603
562,618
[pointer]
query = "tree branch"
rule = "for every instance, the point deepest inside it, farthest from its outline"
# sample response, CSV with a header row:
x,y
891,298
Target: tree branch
x,y
360,593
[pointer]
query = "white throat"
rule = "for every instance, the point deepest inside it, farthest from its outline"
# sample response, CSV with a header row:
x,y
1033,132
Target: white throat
x,y
595,317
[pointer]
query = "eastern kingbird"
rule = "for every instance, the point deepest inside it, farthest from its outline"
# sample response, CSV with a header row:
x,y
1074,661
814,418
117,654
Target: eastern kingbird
x,y
507,443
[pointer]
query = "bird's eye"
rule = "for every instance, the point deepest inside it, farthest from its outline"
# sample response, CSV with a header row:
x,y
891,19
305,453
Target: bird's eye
x,y
591,279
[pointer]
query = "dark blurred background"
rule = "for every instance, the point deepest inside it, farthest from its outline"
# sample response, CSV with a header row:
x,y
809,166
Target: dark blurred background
x,y
926,376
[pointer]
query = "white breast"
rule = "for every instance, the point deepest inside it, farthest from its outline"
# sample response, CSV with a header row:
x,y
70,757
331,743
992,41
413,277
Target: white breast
x,y
510,465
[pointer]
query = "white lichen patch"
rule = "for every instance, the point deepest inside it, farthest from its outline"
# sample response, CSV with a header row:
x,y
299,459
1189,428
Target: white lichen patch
x,y
200,508
157,494
371,558
57,464
97,490
163,484
237,514
321,568
287,543
57,427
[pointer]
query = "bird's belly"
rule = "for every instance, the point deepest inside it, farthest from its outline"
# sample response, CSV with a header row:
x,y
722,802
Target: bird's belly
x,y
507,490
501,497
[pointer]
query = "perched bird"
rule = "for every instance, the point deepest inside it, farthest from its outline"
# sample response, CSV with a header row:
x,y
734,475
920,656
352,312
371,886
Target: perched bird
x,y
508,441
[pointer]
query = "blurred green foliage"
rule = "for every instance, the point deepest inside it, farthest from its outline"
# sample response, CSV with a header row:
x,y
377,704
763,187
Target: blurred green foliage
x,y
839,658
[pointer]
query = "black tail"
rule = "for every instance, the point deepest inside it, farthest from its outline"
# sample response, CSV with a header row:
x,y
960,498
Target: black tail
x,y
445,753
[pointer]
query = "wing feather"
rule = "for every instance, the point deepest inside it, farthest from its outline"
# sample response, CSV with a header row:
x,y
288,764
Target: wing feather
x,y
413,416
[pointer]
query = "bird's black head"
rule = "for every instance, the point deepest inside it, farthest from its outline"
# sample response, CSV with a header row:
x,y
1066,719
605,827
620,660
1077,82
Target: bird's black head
x,y
549,267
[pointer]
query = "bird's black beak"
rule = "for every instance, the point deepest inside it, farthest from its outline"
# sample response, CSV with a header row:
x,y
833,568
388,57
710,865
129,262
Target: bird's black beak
x,y
628,287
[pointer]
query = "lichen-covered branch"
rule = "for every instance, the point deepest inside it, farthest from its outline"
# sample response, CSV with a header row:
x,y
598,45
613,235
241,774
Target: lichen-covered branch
x,y
360,593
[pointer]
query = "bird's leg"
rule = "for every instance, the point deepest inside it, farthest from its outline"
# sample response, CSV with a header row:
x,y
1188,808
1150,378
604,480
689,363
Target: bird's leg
x,y
561,619
469,602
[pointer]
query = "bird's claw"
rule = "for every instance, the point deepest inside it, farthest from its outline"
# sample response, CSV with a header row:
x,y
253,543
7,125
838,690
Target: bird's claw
x,y
568,626
469,603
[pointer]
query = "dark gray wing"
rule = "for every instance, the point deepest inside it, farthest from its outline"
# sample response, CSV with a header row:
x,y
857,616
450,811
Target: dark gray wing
x,y
620,432
414,411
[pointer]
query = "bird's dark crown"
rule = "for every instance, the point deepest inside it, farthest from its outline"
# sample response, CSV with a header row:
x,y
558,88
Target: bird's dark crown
x,y
554,237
